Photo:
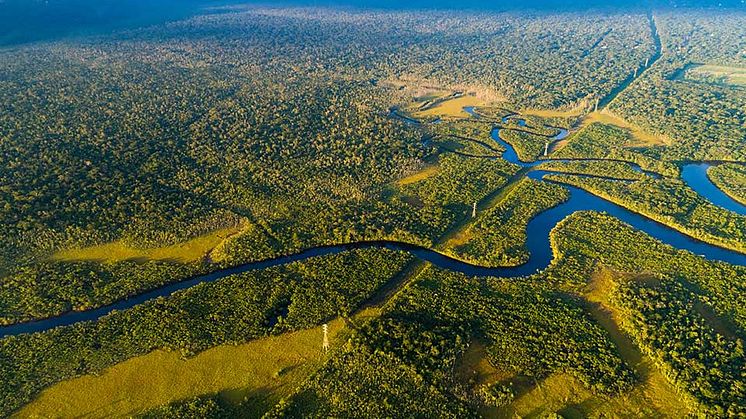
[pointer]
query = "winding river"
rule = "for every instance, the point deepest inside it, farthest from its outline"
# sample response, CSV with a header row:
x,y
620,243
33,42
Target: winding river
x,y
538,246
695,175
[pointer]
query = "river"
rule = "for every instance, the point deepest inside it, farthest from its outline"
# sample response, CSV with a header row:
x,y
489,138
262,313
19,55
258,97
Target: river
x,y
538,242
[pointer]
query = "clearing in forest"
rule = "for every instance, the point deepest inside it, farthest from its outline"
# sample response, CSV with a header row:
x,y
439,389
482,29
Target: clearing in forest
x,y
718,74
653,390
416,177
185,252
451,108
560,392
261,372
554,113
642,137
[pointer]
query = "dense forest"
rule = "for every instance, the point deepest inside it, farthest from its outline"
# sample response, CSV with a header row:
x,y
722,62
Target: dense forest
x,y
239,308
670,202
252,132
144,155
707,120
534,328
730,178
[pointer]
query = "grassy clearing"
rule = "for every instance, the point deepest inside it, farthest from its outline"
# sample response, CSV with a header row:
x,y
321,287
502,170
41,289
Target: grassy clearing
x,y
459,238
188,251
474,367
421,175
642,138
553,113
565,395
451,108
562,394
654,390
424,95
259,372
557,393
734,76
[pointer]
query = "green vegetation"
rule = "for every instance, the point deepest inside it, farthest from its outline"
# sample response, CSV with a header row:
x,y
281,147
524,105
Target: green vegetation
x,y
256,374
601,141
529,146
546,126
190,251
139,159
705,121
498,236
640,138
602,168
731,178
409,352
52,287
677,337
254,180
152,144
664,320
717,74
494,114
230,311
468,136
652,395
418,176
670,202
587,239
473,131
469,128
429,325
531,139
459,182
465,146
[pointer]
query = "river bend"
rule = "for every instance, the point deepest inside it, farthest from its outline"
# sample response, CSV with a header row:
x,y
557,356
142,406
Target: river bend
x,y
537,244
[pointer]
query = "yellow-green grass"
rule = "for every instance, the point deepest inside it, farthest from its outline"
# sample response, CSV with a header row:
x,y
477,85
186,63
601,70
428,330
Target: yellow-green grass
x,y
654,390
451,108
566,395
641,136
735,76
419,176
473,366
260,372
427,95
459,238
563,394
555,113
185,252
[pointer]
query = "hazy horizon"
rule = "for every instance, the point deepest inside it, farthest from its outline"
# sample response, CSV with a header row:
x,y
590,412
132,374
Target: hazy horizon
x,y
24,22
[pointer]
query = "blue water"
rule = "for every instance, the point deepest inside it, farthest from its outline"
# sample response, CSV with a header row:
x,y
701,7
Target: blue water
x,y
470,110
510,154
538,246
520,121
695,175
